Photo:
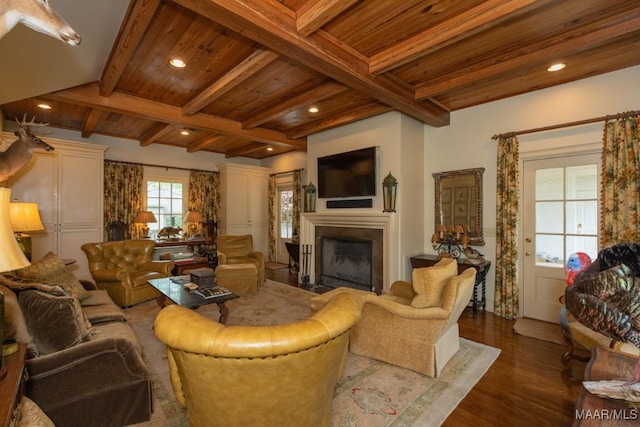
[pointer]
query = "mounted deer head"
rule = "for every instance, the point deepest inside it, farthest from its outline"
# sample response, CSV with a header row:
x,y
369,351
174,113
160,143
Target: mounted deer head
x,y
20,152
37,15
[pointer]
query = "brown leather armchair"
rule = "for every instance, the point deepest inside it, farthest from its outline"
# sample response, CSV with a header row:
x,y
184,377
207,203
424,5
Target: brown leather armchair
x,y
239,250
122,268
423,339
257,375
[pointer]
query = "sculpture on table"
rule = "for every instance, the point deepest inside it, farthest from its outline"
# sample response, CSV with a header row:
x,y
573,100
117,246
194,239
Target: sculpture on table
x,y
606,298
169,233
21,151
37,15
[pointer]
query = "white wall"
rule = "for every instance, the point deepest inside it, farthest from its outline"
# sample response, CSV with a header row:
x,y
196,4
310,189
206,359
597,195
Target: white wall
x,y
467,143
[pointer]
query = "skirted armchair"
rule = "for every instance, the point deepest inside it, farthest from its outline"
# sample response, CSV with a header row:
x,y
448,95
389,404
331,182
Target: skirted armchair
x,y
257,375
239,250
416,325
122,268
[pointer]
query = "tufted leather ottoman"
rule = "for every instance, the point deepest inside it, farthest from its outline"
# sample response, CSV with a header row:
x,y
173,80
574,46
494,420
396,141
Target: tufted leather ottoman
x,y
238,278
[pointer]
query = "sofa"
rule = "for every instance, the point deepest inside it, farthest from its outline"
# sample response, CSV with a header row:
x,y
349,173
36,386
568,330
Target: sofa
x,y
84,363
278,375
239,250
122,268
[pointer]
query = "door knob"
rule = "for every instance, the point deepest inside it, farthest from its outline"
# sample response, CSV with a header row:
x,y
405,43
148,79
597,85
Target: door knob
x,y
528,240
527,253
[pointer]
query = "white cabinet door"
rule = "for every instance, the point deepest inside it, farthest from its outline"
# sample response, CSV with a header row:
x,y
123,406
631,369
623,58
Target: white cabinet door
x,y
69,242
81,194
258,188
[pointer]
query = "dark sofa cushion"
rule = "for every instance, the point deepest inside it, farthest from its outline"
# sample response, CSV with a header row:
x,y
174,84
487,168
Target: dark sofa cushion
x,y
52,270
55,322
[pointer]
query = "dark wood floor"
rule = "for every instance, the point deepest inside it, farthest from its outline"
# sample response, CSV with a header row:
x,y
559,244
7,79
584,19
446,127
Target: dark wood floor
x,y
524,387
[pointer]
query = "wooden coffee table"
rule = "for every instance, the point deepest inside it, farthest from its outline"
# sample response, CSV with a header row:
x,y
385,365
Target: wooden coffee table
x,y
175,293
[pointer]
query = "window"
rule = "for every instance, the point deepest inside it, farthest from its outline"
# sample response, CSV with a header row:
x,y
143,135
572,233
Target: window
x,y
286,214
165,200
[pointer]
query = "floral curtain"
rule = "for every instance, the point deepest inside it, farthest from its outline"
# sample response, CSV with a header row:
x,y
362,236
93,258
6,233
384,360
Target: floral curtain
x,y
272,217
620,182
122,193
507,198
297,202
204,195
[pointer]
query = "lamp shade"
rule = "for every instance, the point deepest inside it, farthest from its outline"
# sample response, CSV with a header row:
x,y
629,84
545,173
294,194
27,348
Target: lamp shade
x,y
11,257
25,217
145,217
193,216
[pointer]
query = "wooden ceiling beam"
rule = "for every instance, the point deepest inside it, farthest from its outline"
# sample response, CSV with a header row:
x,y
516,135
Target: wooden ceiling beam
x,y
273,25
313,14
349,117
472,21
156,132
90,121
134,26
247,68
88,96
547,50
204,142
245,150
279,107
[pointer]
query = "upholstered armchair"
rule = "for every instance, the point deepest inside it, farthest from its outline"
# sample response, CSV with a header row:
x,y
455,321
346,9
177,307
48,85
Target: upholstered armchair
x,y
415,325
239,250
257,375
122,268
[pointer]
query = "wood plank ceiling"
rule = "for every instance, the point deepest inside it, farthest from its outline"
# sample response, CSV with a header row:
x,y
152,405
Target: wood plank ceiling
x,y
254,67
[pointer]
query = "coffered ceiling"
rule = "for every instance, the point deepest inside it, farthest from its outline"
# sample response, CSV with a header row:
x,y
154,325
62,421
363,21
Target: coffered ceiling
x,y
255,67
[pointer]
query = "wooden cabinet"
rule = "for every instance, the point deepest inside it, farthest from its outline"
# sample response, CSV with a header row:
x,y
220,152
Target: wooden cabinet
x,y
67,184
244,203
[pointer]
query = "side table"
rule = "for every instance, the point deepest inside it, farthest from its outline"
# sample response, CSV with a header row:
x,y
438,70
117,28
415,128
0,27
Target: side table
x,y
482,268
181,266
12,387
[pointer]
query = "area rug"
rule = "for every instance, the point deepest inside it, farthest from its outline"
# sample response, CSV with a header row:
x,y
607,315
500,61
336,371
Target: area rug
x,y
538,329
370,393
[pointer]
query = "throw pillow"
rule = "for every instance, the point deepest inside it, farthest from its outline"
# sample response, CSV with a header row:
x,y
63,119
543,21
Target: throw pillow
x,y
52,270
428,282
55,322
15,326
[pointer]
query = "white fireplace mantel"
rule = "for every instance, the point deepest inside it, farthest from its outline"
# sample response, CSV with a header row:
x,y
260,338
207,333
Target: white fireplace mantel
x,y
376,220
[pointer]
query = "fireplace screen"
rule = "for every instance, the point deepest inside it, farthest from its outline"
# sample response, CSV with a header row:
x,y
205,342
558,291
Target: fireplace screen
x,y
346,262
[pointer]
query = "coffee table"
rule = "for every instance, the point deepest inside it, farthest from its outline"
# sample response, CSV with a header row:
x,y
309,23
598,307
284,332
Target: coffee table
x,y
176,293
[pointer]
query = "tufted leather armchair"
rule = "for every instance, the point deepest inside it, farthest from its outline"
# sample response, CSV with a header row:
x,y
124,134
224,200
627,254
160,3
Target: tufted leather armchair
x,y
257,375
122,268
420,339
239,250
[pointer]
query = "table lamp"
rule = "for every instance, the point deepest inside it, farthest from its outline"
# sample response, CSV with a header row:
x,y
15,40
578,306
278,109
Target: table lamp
x,y
144,217
12,257
192,218
24,218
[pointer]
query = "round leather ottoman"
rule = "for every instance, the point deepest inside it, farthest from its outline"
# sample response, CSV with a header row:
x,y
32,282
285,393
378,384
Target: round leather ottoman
x,y
238,278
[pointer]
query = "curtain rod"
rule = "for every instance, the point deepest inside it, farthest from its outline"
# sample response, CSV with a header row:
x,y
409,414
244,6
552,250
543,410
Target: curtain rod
x,y
569,124
159,166
282,173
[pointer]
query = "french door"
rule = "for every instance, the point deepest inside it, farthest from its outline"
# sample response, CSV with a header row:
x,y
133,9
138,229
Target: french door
x,y
560,217
284,227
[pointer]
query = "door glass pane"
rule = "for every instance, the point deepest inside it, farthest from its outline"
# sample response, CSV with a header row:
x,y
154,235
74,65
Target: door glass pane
x,y
549,217
547,187
586,244
582,182
286,214
582,217
549,250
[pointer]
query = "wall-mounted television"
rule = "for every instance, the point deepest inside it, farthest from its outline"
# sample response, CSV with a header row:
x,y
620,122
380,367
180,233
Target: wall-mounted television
x,y
349,174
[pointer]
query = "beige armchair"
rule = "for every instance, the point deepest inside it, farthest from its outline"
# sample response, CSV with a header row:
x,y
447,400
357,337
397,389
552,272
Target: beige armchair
x,y
257,375
392,329
122,268
239,250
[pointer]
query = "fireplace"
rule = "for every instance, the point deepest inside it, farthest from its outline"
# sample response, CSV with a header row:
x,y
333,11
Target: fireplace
x,y
349,257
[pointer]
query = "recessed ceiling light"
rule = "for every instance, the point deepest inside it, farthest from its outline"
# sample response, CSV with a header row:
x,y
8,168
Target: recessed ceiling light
x,y
44,106
269,148
313,109
184,132
556,67
177,62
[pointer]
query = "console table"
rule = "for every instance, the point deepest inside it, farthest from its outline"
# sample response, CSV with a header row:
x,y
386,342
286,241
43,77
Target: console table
x,y
12,387
482,269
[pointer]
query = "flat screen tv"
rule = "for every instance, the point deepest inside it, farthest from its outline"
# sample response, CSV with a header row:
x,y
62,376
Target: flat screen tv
x,y
350,174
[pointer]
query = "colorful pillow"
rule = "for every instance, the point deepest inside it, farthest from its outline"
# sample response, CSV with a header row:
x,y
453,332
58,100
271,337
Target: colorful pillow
x,y
52,270
429,282
55,322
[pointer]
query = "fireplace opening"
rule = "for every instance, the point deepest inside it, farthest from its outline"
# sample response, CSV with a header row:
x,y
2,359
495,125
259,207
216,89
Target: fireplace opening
x,y
346,262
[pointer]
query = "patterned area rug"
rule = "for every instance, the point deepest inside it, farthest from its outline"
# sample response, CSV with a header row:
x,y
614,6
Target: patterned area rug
x,y
370,393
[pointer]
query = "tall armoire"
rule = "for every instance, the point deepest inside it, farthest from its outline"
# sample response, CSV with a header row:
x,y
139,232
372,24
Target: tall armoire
x,y
244,192
67,184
